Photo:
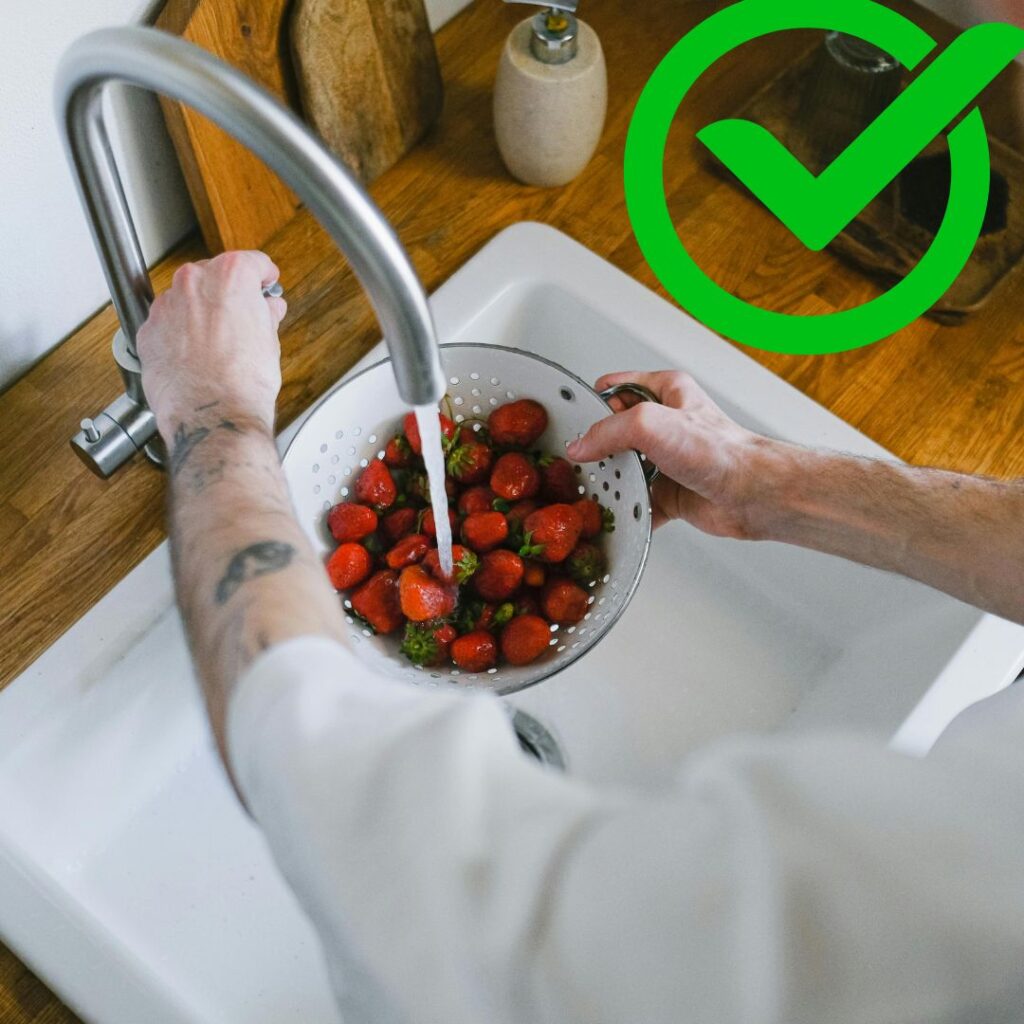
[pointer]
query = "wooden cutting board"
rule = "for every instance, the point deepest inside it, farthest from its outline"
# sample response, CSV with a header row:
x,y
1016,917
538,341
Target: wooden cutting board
x,y
239,202
368,77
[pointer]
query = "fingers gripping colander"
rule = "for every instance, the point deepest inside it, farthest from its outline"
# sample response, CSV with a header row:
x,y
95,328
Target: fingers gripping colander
x,y
352,424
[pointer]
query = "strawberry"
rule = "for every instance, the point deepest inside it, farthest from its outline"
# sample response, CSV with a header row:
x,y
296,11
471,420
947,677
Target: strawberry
x,y
559,481
377,602
516,516
527,604
472,432
586,564
398,453
427,645
376,486
476,499
419,487
429,527
424,598
484,531
408,551
551,533
515,477
400,523
475,652
464,564
564,602
517,424
534,574
470,462
525,639
349,566
499,576
349,521
412,431
474,614
590,511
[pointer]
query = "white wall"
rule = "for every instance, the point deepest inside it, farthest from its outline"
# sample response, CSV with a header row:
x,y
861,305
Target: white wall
x,y
50,280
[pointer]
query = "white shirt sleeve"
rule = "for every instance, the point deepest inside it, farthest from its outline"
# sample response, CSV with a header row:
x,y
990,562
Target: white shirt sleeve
x,y
454,880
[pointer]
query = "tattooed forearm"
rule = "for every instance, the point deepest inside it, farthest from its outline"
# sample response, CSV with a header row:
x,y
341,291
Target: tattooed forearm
x,y
256,560
187,439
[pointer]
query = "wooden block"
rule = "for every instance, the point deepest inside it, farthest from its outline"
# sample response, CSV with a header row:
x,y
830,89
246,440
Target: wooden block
x,y
368,77
239,202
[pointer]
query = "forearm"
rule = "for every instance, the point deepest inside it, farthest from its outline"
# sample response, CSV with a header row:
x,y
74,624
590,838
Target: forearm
x,y
963,535
246,576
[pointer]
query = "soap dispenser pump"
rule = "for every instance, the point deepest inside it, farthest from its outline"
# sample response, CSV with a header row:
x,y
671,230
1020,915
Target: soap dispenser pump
x,y
551,95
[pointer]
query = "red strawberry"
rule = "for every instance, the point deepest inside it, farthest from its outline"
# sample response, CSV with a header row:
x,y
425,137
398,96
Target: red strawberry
x,y
552,533
472,432
534,574
515,477
477,499
408,551
475,615
525,639
560,483
398,453
377,602
527,604
592,521
349,566
400,523
470,462
484,531
475,652
349,521
419,487
564,602
423,597
376,486
500,575
464,564
586,564
429,527
412,431
518,424
427,645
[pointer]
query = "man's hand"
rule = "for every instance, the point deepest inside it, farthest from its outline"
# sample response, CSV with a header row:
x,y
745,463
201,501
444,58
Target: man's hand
x,y
712,468
960,534
213,338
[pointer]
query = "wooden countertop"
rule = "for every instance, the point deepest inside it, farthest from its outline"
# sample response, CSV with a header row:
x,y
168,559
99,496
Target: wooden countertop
x,y
951,397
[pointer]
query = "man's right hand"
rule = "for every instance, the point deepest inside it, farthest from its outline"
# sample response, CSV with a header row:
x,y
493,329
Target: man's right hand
x,y
712,468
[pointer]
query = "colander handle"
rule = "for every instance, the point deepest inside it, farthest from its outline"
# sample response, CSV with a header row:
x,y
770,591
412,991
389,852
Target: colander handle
x,y
651,471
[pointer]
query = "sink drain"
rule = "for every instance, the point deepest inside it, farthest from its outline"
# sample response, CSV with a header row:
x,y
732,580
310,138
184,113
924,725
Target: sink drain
x,y
536,740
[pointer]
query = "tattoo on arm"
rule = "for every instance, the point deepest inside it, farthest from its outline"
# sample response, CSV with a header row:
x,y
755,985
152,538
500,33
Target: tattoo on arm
x,y
186,440
256,560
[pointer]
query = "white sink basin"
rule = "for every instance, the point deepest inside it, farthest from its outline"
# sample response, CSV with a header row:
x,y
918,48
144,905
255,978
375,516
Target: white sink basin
x,y
132,882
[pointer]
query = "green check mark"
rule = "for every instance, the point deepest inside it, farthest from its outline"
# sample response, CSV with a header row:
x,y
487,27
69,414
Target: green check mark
x,y
817,208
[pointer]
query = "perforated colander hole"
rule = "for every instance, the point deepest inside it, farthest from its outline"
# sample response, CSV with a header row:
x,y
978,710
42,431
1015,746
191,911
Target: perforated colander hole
x,y
344,492
582,489
366,632
356,431
323,448
618,496
602,464
571,630
453,380
335,459
372,439
475,392
637,512
495,382
492,401
327,506
477,410
552,642
352,450
561,648
606,578
347,471
591,599
459,400
332,480
510,395
474,376
460,418
350,620
593,477
618,474
316,467
339,434
316,490
606,486
364,463
579,469
567,394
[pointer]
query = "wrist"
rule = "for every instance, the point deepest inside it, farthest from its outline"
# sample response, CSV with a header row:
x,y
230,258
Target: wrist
x,y
772,477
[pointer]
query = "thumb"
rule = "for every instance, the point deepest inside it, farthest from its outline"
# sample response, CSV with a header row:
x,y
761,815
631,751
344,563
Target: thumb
x,y
624,431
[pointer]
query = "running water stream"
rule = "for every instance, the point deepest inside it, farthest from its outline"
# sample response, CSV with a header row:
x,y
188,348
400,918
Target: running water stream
x,y
433,456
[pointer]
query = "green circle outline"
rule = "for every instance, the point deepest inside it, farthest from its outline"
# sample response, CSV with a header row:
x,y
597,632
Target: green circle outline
x,y
708,301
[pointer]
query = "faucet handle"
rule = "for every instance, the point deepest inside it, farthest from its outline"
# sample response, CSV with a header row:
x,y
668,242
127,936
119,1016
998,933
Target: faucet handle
x,y
107,441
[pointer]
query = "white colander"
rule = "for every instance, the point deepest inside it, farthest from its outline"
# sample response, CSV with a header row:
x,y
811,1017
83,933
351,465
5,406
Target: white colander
x,y
351,425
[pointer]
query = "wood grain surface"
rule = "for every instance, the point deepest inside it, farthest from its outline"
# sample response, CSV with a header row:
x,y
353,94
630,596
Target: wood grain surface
x,y
239,202
368,77
943,396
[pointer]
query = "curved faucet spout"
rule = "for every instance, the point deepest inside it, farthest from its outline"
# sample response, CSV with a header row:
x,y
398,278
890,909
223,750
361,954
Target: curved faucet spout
x,y
167,65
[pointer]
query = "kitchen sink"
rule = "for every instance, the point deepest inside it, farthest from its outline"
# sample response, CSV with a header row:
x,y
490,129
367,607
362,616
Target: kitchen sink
x,y
133,883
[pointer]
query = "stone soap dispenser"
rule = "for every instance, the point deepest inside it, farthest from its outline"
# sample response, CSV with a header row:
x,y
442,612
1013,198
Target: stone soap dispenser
x,y
551,96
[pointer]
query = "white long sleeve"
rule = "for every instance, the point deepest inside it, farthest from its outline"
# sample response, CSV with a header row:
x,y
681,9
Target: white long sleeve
x,y
454,881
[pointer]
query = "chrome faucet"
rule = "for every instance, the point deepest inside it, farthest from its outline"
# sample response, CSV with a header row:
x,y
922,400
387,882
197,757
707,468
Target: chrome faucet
x,y
167,65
